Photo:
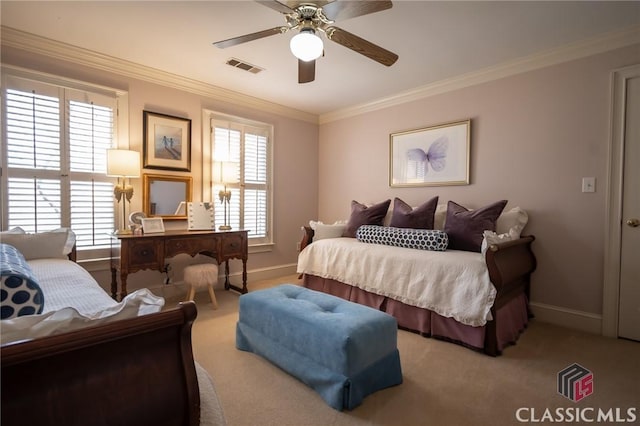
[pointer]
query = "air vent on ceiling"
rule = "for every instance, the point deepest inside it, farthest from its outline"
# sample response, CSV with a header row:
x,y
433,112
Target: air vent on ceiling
x,y
237,63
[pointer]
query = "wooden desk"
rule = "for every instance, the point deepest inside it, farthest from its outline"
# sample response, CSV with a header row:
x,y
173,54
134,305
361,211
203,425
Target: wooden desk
x,y
132,253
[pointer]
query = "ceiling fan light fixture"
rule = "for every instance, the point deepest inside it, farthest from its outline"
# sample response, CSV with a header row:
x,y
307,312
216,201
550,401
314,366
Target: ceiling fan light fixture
x,y
306,45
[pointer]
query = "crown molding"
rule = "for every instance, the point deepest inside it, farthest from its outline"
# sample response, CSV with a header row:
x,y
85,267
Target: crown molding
x,y
544,59
62,51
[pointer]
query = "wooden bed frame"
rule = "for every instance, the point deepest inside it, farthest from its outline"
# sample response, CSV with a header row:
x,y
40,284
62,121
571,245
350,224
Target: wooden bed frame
x,y
510,265
137,371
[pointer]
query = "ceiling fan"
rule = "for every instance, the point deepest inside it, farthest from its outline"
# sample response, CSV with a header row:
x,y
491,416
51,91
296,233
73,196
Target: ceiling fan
x,y
319,17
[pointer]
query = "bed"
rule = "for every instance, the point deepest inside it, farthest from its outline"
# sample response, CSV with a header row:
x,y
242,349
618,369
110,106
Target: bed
x,y
477,299
87,359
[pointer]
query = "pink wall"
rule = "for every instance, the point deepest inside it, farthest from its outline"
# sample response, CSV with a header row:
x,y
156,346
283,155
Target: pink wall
x,y
294,152
534,136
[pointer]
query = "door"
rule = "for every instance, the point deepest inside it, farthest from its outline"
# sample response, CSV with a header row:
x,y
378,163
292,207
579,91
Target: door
x,y
629,301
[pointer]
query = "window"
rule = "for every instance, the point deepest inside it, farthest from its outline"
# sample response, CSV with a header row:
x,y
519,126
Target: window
x,y
247,145
55,159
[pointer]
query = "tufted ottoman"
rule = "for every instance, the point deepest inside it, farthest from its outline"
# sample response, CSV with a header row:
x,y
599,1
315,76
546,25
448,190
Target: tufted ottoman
x,y
344,351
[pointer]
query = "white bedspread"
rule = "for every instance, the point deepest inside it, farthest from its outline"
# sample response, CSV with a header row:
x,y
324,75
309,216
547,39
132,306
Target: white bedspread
x,y
67,284
453,283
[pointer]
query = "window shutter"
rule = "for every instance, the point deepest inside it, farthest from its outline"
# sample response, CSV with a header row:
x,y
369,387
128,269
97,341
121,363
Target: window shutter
x,y
248,145
56,160
33,131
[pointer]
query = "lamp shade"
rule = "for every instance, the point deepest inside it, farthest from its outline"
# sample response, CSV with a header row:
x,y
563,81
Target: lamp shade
x,y
123,163
225,171
306,45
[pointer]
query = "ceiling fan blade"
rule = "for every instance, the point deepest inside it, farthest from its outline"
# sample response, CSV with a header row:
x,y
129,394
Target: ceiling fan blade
x,y
249,37
361,46
275,5
339,10
306,71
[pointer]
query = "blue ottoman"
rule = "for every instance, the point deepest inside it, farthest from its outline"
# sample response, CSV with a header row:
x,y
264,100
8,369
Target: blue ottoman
x,y
344,351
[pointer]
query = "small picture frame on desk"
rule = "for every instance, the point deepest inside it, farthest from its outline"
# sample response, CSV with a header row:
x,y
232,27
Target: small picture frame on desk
x,y
151,225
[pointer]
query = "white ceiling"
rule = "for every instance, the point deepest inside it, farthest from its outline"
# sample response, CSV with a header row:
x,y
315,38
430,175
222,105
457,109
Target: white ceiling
x,y
435,41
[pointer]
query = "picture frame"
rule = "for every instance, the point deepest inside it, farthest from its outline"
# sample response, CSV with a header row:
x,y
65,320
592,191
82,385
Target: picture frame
x,y
431,156
152,225
166,142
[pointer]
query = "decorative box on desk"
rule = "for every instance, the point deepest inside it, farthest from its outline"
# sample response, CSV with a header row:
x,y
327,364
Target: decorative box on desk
x,y
132,253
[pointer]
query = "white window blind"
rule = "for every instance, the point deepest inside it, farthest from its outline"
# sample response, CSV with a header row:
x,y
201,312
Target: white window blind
x,y
56,142
248,146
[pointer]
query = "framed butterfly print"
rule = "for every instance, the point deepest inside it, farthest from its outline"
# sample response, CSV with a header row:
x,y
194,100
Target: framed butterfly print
x,y
431,156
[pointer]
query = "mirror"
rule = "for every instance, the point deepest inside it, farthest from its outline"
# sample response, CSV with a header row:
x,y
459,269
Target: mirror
x,y
165,196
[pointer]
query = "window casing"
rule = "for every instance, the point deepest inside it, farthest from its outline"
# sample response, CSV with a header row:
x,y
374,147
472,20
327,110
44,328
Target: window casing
x,y
248,144
54,146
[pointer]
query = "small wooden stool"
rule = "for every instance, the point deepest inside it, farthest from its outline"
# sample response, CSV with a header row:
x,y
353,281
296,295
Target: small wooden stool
x,y
200,276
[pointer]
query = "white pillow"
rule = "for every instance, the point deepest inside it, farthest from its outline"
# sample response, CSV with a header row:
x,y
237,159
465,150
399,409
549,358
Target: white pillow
x,y
140,302
71,239
440,216
15,230
514,218
491,237
39,246
323,231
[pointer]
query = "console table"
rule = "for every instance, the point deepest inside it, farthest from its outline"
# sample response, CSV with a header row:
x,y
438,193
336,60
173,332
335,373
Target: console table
x,y
132,253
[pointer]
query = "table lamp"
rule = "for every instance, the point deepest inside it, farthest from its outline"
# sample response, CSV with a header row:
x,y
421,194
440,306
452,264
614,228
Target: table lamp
x,y
225,172
124,164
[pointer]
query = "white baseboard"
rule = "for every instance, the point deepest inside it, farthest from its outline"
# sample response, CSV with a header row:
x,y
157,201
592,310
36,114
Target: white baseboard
x,y
578,320
266,273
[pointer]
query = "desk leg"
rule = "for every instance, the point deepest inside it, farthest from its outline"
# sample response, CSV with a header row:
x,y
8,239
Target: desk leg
x,y
227,284
114,284
123,285
244,276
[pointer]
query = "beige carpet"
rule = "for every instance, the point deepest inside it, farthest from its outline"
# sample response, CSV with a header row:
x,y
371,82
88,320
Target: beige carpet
x,y
444,384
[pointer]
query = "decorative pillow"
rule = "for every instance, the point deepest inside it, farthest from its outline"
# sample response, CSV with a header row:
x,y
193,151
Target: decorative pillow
x,y
71,239
440,216
465,227
323,231
491,237
363,215
20,293
404,216
15,230
516,219
421,239
55,244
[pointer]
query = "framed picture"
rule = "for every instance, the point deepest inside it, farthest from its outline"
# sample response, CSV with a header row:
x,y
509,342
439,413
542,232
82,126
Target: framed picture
x,y
167,142
152,225
431,156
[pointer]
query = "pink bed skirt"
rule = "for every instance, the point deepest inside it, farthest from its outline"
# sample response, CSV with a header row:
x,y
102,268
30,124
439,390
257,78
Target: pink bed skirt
x,y
512,317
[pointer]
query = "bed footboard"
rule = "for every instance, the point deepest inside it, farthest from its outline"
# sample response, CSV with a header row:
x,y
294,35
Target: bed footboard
x,y
130,372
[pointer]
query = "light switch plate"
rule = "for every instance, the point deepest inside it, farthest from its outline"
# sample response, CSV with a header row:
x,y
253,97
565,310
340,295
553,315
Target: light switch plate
x,y
588,184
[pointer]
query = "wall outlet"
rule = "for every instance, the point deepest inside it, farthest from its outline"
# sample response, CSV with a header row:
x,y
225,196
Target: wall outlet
x,y
588,184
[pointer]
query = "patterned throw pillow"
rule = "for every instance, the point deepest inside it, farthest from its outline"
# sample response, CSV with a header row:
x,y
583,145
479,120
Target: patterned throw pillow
x,y
421,239
20,293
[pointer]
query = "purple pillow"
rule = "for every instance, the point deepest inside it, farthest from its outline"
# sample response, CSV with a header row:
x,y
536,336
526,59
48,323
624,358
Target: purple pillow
x,y
363,215
421,217
465,227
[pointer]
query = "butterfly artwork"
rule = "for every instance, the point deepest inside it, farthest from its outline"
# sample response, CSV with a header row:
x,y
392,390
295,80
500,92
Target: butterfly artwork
x,y
418,161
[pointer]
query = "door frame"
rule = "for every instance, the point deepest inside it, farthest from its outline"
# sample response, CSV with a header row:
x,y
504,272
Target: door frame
x,y
613,212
